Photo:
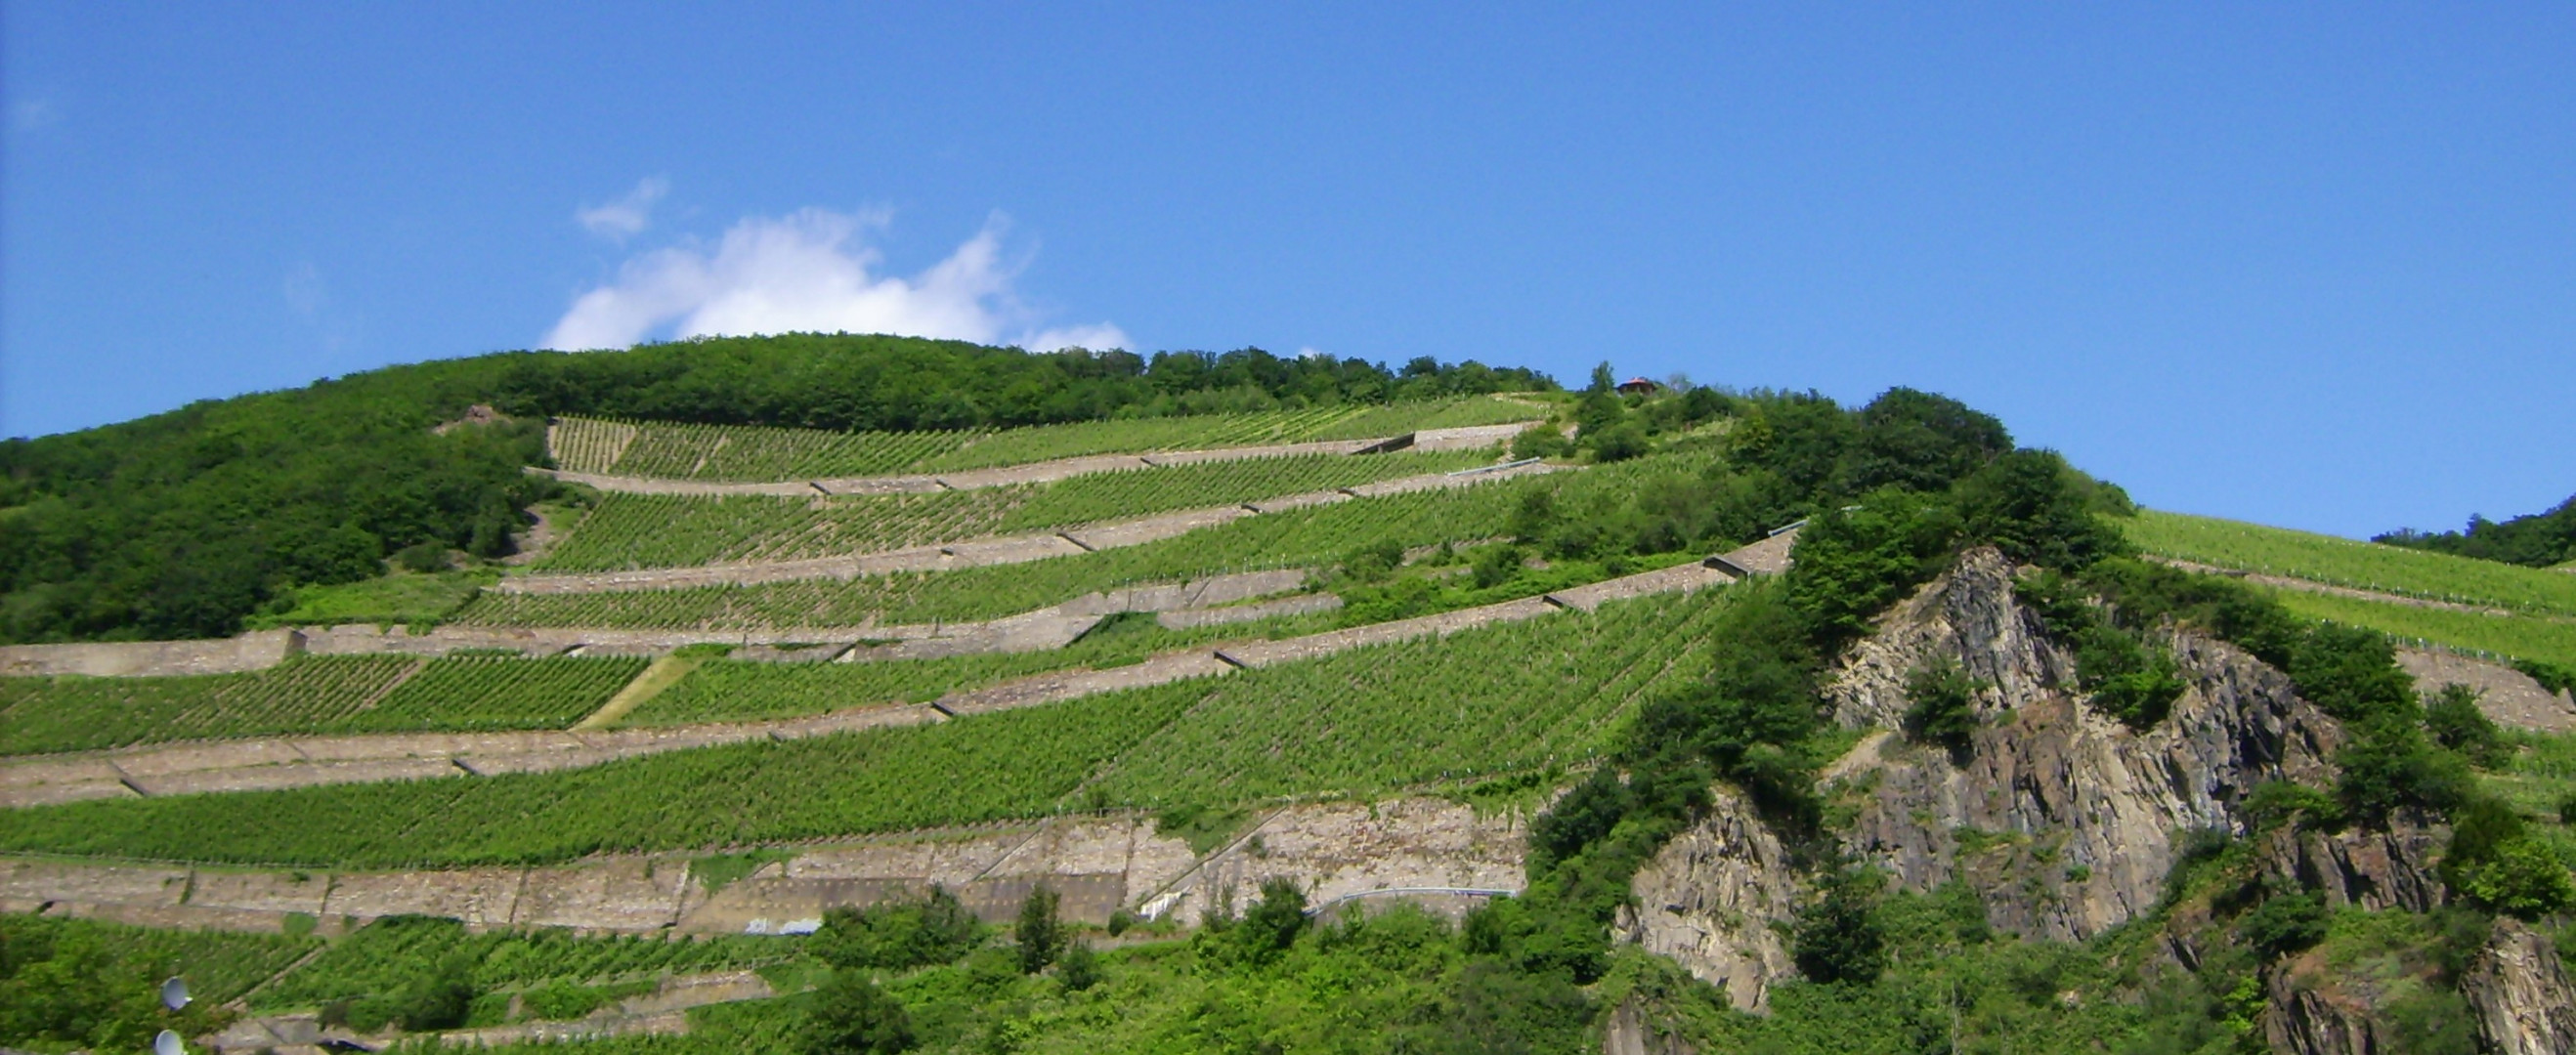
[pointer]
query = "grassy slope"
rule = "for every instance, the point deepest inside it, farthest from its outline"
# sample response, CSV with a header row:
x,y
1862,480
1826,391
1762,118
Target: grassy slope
x,y
2542,625
2362,565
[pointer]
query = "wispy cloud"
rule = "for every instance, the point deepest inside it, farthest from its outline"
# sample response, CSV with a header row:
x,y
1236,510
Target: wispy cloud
x,y
28,115
308,299
628,216
814,271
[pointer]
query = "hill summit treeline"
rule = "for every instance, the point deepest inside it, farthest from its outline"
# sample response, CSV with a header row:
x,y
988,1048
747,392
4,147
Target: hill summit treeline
x,y
182,524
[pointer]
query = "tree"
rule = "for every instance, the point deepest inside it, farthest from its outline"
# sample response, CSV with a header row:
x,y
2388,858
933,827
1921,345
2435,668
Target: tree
x,y
1079,969
1836,938
1040,934
849,1015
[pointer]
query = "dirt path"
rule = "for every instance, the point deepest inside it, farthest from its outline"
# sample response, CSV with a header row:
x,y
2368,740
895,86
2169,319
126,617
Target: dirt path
x,y
1467,438
254,765
993,550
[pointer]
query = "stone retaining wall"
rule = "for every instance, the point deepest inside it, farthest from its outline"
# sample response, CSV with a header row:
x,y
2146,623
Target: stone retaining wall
x,y
229,655
242,765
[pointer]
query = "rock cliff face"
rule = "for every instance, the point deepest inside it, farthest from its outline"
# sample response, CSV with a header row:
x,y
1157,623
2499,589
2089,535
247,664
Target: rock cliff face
x,y
2067,820
1709,900
2521,994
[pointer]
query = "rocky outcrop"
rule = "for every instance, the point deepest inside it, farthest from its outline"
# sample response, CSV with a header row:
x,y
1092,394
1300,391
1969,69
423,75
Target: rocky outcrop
x,y
1967,615
1629,1032
1710,898
2373,869
2309,1021
2066,820
2521,994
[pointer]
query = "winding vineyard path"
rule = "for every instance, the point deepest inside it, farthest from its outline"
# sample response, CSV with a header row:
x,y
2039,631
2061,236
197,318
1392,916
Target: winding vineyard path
x,y
287,762
999,549
1466,438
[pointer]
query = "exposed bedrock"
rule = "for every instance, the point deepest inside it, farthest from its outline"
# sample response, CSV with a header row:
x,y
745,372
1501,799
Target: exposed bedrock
x,y
1710,898
2520,993
2065,821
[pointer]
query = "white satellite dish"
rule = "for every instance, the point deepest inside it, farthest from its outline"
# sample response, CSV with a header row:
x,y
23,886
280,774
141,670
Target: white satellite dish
x,y
168,1044
174,993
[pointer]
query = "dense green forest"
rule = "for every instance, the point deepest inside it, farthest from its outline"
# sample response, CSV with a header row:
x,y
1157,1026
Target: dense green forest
x,y
2536,540
183,524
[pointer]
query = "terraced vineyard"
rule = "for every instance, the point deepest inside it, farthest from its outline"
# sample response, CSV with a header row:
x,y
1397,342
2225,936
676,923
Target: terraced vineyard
x,y
735,690
499,692
2360,565
219,966
75,713
1511,697
2548,640
1356,722
746,453
629,531
313,694
383,956
1298,538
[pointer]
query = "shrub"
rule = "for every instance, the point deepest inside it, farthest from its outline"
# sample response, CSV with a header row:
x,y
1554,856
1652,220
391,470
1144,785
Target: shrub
x,y
1079,968
2453,717
898,936
1273,923
1837,938
1495,565
2389,765
1943,707
2522,878
849,1015
1619,442
440,999
423,557
2284,924
1373,562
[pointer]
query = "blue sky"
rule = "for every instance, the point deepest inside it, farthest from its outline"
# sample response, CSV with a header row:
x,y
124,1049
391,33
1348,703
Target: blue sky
x,y
2307,265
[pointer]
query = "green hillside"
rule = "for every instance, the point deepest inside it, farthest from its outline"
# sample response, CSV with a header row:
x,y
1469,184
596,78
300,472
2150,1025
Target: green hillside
x,y
2530,613
187,523
1594,736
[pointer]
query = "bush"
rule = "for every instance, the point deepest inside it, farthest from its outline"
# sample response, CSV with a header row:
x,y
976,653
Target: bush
x,y
440,999
2389,765
2453,718
1373,562
2495,863
849,1015
2283,925
1837,938
1495,565
1619,443
424,557
1273,923
1943,708
898,936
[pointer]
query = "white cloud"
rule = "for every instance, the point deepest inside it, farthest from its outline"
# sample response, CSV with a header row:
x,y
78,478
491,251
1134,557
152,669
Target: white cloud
x,y
812,271
628,216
